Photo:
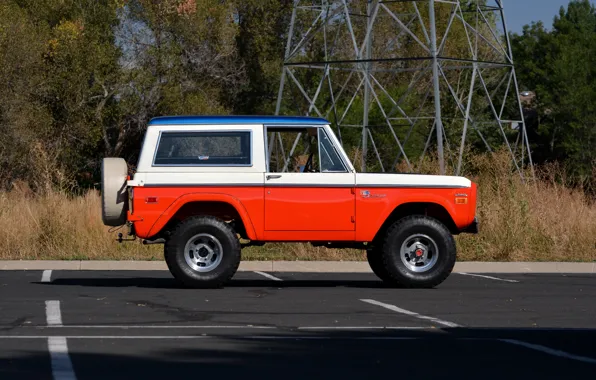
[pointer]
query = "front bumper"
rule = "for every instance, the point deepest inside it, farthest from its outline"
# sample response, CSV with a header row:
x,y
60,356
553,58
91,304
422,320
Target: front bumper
x,y
473,228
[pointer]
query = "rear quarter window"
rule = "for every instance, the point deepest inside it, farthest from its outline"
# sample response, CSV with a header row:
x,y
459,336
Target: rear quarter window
x,y
226,148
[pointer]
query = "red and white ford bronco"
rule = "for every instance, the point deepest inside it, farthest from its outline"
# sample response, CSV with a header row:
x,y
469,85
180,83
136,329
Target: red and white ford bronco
x,y
204,182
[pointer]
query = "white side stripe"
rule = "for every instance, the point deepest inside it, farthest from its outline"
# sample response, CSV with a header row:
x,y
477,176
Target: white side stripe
x,y
550,351
410,313
53,315
271,277
61,364
489,277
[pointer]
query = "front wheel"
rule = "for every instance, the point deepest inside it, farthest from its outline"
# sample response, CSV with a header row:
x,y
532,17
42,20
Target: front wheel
x,y
375,261
418,252
203,252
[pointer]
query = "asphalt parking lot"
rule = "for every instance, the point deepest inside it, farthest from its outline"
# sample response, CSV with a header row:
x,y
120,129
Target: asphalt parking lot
x,y
120,324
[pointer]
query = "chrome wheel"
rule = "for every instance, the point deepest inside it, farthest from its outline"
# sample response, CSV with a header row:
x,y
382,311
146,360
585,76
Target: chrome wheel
x,y
419,253
203,252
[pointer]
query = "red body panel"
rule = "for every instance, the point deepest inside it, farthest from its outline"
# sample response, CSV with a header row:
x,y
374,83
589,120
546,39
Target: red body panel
x,y
309,209
299,213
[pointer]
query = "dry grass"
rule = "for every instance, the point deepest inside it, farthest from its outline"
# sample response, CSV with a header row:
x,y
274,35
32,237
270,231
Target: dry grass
x,y
539,221
542,220
56,226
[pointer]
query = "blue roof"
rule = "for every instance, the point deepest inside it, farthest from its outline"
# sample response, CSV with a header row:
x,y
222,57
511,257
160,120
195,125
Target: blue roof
x,y
276,120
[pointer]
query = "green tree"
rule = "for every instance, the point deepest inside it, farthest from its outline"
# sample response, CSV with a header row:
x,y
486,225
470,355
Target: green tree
x,y
179,57
60,56
261,43
560,67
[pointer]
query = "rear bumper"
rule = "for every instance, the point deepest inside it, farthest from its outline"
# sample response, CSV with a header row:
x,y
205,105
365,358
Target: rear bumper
x,y
473,228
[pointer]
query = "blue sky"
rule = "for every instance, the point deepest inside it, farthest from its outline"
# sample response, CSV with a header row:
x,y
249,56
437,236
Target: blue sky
x,y
521,12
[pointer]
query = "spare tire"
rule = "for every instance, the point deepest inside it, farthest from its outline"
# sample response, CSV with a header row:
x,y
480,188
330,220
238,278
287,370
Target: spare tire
x,y
114,194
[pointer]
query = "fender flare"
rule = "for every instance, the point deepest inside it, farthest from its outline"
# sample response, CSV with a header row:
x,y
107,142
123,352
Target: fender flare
x,y
431,199
408,199
167,215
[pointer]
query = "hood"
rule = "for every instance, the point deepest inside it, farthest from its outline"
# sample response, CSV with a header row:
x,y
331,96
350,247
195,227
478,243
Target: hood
x,y
410,180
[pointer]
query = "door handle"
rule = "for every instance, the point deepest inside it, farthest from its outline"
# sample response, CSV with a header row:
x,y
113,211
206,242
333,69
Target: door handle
x,y
273,176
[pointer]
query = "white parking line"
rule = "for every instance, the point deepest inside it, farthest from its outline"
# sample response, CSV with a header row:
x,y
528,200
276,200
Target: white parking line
x,y
58,340
46,275
363,328
105,337
159,327
195,327
271,277
53,315
320,337
489,277
61,364
410,313
551,351
247,327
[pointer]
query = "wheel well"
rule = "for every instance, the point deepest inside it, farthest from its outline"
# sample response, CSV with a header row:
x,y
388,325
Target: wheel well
x,y
222,210
433,210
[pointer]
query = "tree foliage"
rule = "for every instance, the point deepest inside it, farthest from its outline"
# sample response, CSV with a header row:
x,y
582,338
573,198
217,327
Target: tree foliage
x,y
559,65
81,78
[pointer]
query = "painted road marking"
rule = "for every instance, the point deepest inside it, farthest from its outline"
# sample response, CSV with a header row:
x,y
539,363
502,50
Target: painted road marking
x,y
53,315
159,327
410,313
105,337
46,275
62,367
489,277
60,339
322,337
363,328
61,364
185,327
214,327
271,277
551,351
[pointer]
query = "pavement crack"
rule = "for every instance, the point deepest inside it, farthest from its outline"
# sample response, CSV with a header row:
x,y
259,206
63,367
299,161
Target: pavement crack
x,y
19,322
177,312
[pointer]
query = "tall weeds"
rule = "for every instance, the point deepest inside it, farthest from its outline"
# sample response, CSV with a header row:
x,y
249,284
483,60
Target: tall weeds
x,y
542,220
529,220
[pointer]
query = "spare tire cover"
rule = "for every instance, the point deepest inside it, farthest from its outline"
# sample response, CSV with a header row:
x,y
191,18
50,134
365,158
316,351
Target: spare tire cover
x,y
114,195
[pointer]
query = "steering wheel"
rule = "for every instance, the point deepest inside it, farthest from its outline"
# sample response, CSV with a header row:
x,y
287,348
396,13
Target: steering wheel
x,y
308,165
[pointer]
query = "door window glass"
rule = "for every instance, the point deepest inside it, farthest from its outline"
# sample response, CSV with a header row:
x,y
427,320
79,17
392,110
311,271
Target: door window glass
x,y
329,158
302,150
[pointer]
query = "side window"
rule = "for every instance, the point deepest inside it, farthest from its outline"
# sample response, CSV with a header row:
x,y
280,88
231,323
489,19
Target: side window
x,y
330,161
302,150
292,150
226,148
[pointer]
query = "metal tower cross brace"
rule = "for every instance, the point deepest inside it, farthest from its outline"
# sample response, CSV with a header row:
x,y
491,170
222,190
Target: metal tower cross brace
x,y
371,67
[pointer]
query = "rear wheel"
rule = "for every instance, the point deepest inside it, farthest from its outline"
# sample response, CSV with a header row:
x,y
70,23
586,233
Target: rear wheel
x,y
419,252
203,252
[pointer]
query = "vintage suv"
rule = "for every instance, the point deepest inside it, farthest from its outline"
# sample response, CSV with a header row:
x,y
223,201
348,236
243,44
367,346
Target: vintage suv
x,y
204,182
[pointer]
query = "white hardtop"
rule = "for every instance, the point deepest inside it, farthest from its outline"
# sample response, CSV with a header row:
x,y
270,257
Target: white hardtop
x,y
147,173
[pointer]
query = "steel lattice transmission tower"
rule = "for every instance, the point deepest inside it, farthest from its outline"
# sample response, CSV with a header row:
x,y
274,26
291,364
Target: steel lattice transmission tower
x,y
404,78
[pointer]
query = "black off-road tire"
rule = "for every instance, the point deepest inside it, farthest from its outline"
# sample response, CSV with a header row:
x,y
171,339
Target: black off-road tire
x,y
174,252
404,228
375,260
